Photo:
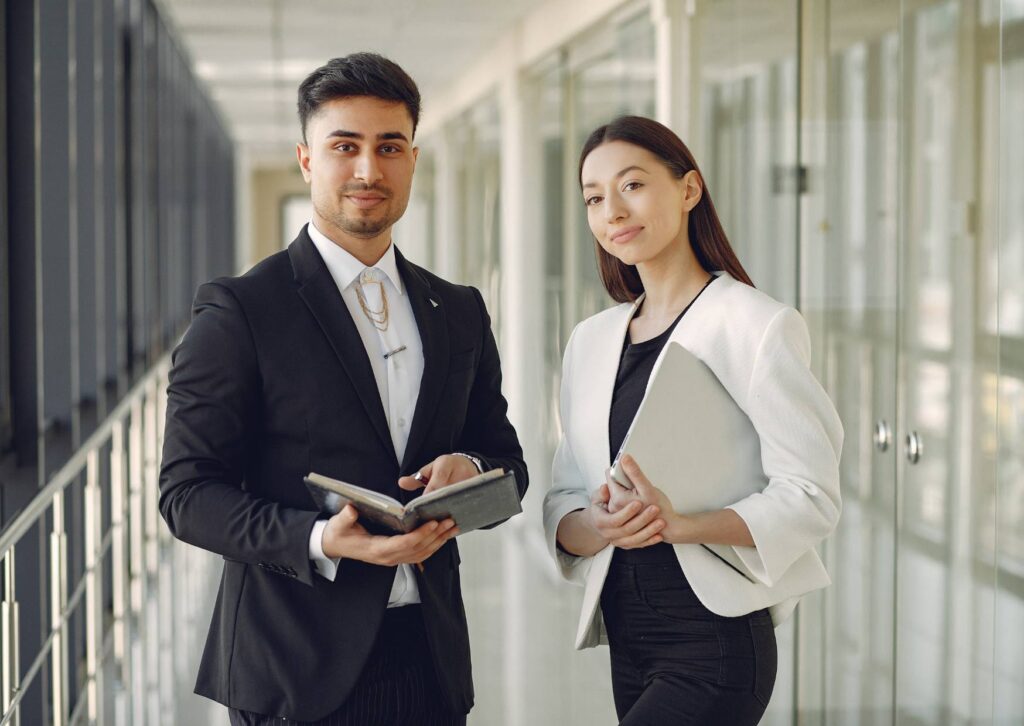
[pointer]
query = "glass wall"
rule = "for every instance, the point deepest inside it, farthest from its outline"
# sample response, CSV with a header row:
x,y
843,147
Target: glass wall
x,y
865,159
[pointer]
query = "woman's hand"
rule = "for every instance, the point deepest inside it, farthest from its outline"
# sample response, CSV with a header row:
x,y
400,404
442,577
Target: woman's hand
x,y
633,525
644,493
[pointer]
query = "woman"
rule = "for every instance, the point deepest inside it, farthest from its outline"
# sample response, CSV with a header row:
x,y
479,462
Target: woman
x,y
692,641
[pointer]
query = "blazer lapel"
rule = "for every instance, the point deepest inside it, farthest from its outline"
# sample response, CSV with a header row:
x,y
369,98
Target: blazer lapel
x,y
604,367
432,321
321,295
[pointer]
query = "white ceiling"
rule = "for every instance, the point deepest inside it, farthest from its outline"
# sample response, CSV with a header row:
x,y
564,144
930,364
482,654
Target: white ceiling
x,y
252,54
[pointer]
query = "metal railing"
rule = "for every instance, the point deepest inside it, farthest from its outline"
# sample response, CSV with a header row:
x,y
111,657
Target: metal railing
x,y
133,589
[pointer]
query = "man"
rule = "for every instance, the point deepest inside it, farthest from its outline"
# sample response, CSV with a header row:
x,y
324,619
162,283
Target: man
x,y
336,356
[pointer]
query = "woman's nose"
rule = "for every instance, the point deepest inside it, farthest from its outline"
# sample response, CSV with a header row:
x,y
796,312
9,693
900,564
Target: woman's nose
x,y
614,210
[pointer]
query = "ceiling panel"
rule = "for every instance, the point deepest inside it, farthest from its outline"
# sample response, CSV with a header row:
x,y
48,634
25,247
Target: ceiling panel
x,y
252,54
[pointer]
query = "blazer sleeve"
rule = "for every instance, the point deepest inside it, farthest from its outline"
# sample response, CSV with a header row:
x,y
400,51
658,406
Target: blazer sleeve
x,y
487,433
568,491
801,440
213,400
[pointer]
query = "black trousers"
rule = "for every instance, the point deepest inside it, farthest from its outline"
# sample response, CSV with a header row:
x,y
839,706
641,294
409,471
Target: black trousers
x,y
674,662
398,686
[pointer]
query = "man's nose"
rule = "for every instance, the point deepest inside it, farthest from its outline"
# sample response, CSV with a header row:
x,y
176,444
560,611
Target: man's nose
x,y
367,169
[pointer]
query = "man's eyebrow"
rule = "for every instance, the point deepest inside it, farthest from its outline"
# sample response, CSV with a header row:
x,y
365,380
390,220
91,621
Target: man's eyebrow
x,y
386,136
619,175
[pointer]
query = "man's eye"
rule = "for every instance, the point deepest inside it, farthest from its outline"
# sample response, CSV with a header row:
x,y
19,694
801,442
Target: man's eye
x,y
345,147
390,149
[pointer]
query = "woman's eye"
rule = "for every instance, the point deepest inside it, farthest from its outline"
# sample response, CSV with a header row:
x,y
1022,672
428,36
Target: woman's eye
x,y
591,201
631,186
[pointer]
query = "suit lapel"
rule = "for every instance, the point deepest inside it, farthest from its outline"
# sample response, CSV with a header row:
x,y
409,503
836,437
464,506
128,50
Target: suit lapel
x,y
432,321
321,295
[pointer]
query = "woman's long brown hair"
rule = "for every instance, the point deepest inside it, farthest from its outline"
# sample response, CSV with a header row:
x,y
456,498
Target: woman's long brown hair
x,y
707,238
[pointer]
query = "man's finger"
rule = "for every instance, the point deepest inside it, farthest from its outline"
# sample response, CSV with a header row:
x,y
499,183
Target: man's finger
x,y
441,474
409,483
347,516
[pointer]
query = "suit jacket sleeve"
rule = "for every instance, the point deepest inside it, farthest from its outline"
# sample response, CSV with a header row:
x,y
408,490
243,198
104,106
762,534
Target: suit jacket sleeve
x,y
801,440
569,489
487,433
213,405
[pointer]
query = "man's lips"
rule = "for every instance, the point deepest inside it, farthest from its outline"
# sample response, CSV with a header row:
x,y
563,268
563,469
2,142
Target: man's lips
x,y
625,235
366,201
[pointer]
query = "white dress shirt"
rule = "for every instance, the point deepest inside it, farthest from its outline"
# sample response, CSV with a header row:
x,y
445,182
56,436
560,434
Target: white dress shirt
x,y
398,376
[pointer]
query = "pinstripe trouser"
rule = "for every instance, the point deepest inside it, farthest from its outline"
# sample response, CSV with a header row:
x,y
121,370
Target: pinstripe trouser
x,y
398,685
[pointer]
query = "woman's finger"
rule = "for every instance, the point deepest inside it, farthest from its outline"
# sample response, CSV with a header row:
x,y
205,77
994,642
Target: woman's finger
x,y
643,485
640,536
629,520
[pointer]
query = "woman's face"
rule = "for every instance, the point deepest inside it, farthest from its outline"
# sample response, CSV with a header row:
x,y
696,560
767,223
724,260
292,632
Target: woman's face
x,y
636,208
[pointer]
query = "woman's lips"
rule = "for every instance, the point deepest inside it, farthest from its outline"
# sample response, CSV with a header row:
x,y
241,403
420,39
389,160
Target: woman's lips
x,y
625,235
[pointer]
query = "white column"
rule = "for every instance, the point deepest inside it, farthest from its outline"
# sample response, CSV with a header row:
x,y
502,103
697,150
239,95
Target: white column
x,y
673,41
446,220
522,357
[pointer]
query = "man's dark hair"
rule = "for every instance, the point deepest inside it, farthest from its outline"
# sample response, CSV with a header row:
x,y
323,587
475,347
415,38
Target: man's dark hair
x,y
358,74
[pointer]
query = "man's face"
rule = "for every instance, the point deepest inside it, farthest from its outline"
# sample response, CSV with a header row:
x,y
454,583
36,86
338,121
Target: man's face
x,y
358,161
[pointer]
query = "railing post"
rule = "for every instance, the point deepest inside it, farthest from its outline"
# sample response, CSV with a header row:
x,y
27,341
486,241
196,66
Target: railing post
x,y
9,631
58,603
119,564
136,563
93,589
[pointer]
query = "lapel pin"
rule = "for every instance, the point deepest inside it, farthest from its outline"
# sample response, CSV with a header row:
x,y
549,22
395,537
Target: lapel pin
x,y
433,302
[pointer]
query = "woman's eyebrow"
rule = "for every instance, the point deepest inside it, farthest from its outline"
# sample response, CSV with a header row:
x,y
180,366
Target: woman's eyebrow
x,y
619,175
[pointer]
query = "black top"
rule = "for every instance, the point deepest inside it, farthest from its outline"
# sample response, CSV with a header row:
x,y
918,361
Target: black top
x,y
635,365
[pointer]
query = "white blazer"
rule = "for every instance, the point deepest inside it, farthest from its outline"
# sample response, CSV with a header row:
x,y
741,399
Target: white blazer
x,y
760,351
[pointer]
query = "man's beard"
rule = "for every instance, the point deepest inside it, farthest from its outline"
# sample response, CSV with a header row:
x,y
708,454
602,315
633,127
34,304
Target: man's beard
x,y
353,225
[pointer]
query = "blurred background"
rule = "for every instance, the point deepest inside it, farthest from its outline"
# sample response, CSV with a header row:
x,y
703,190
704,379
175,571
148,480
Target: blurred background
x,y
866,158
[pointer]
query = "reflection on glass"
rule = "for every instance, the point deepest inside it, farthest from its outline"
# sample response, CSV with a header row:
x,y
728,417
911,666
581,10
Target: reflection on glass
x,y
477,136
616,79
747,138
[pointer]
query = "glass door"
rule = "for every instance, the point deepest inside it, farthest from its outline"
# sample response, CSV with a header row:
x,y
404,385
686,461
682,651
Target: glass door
x,y
946,591
852,218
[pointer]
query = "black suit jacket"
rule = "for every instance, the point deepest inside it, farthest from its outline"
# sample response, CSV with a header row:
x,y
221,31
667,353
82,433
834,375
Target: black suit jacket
x,y
271,381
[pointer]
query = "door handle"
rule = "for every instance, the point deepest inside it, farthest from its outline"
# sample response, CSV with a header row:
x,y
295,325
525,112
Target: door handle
x,y
883,435
915,447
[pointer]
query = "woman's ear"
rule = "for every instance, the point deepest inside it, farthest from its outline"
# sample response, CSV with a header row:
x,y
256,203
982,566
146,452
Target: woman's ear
x,y
693,189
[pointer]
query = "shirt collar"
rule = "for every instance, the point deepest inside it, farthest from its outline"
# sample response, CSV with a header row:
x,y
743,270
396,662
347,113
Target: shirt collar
x,y
345,268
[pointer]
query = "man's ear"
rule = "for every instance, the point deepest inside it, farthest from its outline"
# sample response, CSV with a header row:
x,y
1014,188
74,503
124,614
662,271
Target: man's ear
x,y
693,189
302,154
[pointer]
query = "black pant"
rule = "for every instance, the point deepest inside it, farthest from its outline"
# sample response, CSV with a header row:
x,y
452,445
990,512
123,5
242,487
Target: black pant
x,y
674,662
398,685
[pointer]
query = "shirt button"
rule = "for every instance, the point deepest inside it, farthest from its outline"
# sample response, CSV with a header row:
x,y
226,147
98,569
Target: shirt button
x,y
401,422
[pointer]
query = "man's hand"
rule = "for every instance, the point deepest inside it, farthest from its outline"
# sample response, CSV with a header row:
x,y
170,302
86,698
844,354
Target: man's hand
x,y
633,526
442,471
345,537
